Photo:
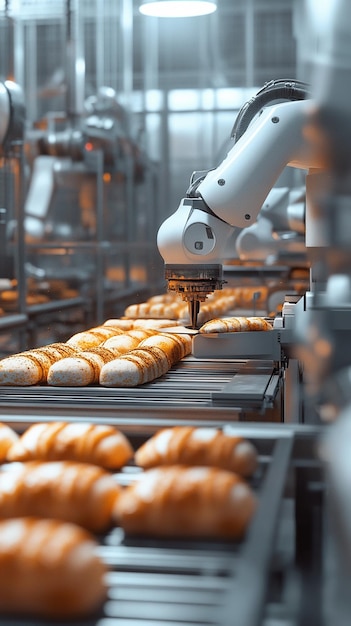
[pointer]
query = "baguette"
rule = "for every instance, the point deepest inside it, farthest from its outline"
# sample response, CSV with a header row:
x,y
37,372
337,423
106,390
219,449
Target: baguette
x,y
132,323
198,446
169,310
129,340
176,346
235,324
180,501
88,443
139,366
122,324
93,337
81,370
155,323
7,438
31,367
74,492
84,369
49,569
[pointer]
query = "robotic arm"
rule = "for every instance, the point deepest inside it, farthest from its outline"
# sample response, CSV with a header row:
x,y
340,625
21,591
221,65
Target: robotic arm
x,y
12,118
12,114
279,232
193,240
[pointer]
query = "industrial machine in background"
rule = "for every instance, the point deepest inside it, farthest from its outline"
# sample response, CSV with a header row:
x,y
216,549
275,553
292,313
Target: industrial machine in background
x,y
12,193
12,124
88,197
63,155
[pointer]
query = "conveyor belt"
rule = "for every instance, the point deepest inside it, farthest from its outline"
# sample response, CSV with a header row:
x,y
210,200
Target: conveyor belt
x,y
193,583
193,386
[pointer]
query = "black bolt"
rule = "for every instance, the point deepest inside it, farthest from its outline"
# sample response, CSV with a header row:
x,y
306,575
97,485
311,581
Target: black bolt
x,y
221,182
275,119
247,216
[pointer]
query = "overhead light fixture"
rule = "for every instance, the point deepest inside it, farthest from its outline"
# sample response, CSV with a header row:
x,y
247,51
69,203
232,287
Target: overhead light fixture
x,y
177,8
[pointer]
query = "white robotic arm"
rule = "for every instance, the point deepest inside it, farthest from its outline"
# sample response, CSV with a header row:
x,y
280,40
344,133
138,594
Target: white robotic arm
x,y
279,232
193,241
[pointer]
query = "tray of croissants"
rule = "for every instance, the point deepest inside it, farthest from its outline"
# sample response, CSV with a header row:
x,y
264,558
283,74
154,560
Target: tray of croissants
x,y
64,485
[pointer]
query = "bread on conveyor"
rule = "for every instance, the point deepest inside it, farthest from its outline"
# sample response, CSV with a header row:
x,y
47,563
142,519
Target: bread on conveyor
x,y
84,368
80,493
49,569
153,358
122,324
198,446
128,340
92,337
88,443
137,367
31,367
235,324
7,438
175,345
81,370
170,310
180,501
130,324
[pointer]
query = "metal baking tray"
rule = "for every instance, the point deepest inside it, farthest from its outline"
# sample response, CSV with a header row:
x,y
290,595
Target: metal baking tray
x,y
194,583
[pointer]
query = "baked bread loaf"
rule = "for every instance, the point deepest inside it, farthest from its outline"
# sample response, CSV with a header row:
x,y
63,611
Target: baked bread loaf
x,y
81,370
169,310
155,323
122,324
93,337
62,441
198,446
84,368
235,324
175,346
7,438
137,367
31,367
180,501
148,323
49,569
128,340
74,492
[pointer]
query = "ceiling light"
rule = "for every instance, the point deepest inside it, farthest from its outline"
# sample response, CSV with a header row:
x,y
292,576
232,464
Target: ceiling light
x,y
177,8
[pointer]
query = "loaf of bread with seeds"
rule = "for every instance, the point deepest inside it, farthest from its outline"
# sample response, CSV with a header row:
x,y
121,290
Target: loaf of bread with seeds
x,y
198,446
99,444
31,367
148,323
153,358
175,345
80,493
170,310
235,324
93,337
137,367
84,368
81,370
181,501
49,570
